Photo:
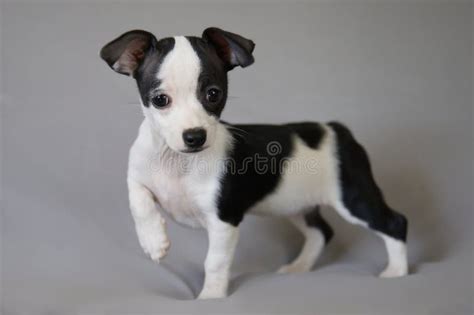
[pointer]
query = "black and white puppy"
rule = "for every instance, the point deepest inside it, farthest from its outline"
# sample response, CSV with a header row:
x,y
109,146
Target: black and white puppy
x,y
208,173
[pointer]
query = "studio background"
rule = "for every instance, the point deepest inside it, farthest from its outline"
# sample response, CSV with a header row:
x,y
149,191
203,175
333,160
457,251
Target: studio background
x,y
398,73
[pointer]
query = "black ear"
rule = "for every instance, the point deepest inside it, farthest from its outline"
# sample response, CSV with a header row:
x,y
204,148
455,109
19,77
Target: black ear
x,y
233,49
125,53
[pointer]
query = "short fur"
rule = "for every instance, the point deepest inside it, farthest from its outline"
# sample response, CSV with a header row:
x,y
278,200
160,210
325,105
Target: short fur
x,y
280,170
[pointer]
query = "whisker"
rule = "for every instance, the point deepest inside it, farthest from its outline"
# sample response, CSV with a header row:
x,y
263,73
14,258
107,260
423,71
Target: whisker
x,y
238,129
238,132
239,135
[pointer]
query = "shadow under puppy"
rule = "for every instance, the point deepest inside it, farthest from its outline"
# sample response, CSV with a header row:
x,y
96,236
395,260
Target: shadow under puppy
x,y
208,173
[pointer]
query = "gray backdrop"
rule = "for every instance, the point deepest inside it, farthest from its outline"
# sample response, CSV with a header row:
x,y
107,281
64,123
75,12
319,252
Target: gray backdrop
x,y
398,73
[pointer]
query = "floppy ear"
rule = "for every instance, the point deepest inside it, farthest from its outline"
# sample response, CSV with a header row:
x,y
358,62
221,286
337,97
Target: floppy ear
x,y
125,53
233,49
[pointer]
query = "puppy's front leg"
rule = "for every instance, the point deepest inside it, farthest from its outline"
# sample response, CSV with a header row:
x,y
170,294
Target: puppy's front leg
x,y
223,239
149,223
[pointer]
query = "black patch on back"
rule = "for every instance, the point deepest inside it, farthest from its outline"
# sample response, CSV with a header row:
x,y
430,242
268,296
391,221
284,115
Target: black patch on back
x,y
360,194
145,75
244,184
310,132
213,73
314,219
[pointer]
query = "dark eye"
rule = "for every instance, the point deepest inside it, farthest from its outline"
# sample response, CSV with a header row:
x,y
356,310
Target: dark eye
x,y
160,100
213,95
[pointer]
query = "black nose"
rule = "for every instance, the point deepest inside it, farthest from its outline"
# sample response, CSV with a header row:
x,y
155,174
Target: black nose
x,y
194,138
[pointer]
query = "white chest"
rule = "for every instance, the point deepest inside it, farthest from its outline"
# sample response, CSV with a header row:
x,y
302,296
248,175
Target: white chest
x,y
178,197
185,186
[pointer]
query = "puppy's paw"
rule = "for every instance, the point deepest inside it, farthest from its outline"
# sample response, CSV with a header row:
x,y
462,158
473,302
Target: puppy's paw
x,y
394,272
293,268
207,294
152,237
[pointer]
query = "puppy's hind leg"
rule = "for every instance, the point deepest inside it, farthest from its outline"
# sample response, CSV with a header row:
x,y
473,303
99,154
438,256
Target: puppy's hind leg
x,y
362,202
391,226
317,233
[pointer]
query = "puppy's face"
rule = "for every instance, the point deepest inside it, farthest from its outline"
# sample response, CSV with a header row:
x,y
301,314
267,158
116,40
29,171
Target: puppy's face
x,y
182,80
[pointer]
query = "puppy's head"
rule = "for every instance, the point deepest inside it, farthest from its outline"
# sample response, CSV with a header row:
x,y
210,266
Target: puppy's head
x,y
182,80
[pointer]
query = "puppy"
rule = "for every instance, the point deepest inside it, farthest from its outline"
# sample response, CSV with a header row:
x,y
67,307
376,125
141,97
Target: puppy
x,y
208,173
